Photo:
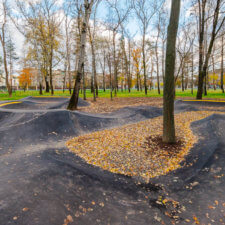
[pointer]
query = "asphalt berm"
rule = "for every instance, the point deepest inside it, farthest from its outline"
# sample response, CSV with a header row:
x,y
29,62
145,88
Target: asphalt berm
x,y
42,183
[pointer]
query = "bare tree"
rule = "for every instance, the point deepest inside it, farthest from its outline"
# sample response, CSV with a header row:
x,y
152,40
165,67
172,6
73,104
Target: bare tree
x,y
157,55
102,58
92,34
185,44
68,31
117,17
168,96
4,10
145,10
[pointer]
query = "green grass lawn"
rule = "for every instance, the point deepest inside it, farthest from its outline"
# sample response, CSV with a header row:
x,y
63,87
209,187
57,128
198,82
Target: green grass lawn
x,y
21,94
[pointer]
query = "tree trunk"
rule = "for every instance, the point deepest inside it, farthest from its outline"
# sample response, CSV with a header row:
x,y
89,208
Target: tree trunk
x,y
205,86
157,64
46,85
163,60
126,67
9,88
94,74
50,71
103,73
3,42
93,80
222,62
84,85
40,89
213,66
114,64
138,86
144,64
103,81
129,70
64,77
182,77
192,72
168,97
75,96
201,48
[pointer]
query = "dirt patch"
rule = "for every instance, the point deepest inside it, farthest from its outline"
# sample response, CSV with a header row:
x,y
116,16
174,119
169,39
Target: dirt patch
x,y
170,149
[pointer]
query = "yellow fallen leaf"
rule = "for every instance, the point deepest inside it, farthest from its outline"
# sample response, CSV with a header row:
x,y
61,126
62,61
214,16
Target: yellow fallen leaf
x,y
196,220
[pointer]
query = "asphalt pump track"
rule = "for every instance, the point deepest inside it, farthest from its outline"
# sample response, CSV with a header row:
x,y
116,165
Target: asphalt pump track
x,y
42,183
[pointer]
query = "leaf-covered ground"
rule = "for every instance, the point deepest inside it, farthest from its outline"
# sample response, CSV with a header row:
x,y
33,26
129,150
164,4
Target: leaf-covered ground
x,y
132,150
105,105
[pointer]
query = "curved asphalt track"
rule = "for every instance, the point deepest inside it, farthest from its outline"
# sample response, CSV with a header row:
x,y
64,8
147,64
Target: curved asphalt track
x,y
41,182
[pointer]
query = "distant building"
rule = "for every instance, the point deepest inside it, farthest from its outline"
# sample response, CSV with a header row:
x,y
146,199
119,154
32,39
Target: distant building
x,y
58,77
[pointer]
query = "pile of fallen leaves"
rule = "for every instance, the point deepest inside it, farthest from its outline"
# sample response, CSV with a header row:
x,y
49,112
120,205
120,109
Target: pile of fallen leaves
x,y
132,149
105,105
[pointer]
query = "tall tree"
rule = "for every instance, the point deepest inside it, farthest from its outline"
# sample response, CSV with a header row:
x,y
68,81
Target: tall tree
x,y
184,47
136,54
92,38
222,63
145,10
117,16
68,37
87,8
218,19
4,12
41,27
168,96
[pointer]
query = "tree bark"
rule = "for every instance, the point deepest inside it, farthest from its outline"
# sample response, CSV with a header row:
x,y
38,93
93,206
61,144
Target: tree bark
x,y
144,63
110,77
222,64
157,63
168,97
129,70
192,71
114,64
51,78
163,60
46,85
84,85
103,72
40,89
182,77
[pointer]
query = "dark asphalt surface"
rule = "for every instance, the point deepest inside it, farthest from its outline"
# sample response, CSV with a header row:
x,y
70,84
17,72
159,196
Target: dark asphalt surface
x,y
41,182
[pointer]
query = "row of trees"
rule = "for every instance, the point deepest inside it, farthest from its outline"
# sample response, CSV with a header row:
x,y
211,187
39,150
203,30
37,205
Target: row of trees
x,y
53,30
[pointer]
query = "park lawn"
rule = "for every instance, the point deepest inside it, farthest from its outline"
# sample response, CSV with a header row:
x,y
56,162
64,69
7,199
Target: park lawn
x,y
212,94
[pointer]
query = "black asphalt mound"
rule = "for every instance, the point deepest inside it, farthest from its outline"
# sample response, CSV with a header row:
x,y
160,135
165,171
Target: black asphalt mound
x,y
32,103
206,103
42,183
